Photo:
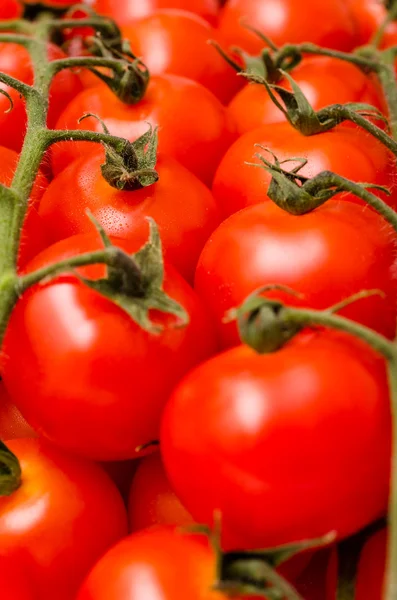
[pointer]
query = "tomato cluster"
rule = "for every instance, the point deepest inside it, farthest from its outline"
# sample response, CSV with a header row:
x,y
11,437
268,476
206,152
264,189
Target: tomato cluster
x,y
155,434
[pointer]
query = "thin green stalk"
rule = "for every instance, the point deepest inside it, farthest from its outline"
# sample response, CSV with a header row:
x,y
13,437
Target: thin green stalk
x,y
390,589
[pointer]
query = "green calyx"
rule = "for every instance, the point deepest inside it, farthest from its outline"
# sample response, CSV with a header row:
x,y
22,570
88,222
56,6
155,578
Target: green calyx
x,y
132,167
135,282
10,471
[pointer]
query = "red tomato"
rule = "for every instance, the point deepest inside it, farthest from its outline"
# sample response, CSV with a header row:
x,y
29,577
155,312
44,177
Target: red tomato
x,y
311,584
10,9
181,205
192,122
155,563
370,571
15,61
368,16
14,583
65,514
121,472
323,80
350,152
326,255
152,500
176,41
125,10
327,24
98,363
288,446
8,164
12,423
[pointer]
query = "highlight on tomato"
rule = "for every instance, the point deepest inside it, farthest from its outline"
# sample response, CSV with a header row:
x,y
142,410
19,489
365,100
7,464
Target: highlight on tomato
x,y
287,446
101,365
124,10
59,518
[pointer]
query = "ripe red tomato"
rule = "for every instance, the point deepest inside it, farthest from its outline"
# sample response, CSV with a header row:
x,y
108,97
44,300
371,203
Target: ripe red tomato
x,y
262,245
98,363
176,41
350,152
125,10
323,80
15,61
8,164
15,584
327,24
10,9
368,16
192,123
182,206
370,571
12,423
152,501
287,446
65,514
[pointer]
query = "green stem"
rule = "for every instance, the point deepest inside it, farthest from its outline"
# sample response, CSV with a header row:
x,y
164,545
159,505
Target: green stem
x,y
364,62
378,35
10,471
307,318
87,62
103,256
53,136
387,78
391,562
374,130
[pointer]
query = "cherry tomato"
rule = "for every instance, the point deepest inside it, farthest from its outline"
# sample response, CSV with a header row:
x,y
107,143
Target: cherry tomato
x,y
15,584
327,24
152,500
287,446
349,152
176,41
99,364
326,255
192,123
121,473
15,61
8,164
181,205
10,9
368,16
65,514
323,80
125,10
12,423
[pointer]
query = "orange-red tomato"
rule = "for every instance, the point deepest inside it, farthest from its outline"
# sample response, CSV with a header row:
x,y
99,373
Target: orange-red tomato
x,y
323,80
326,255
347,151
123,10
63,517
152,501
193,127
182,206
10,9
15,584
176,41
15,61
328,24
287,446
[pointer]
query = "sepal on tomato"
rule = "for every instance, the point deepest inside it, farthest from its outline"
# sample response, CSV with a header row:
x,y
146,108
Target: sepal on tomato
x,y
135,282
10,471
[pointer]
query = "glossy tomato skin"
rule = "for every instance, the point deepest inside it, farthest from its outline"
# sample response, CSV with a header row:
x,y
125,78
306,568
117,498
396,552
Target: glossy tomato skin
x,y
327,24
182,206
97,363
193,127
349,152
15,61
326,255
155,563
12,423
65,514
176,41
10,9
126,10
151,500
268,440
323,80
